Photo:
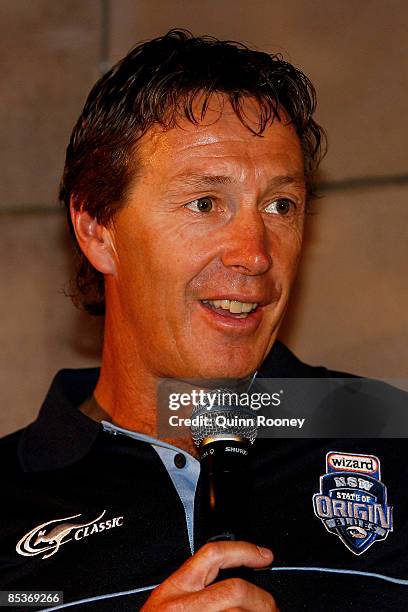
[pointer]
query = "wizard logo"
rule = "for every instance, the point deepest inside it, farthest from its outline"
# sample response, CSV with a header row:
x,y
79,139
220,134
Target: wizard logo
x,y
352,502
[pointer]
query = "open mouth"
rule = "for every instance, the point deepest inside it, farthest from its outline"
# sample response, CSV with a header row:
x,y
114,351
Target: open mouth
x,y
231,308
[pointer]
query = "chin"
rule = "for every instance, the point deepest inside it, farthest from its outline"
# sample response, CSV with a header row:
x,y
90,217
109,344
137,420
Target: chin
x,y
228,369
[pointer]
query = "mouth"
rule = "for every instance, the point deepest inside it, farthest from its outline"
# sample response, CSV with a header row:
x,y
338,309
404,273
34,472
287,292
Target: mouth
x,y
234,309
239,315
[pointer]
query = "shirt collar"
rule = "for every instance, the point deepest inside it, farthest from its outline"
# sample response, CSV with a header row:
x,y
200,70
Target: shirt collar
x,y
61,434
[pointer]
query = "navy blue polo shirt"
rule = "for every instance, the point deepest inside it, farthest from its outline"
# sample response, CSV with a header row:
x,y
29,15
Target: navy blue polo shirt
x,y
105,514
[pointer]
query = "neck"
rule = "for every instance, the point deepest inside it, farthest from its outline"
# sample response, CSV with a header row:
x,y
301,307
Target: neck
x,y
126,392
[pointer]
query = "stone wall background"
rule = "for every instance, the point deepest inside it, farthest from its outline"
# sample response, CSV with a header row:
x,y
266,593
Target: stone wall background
x,y
350,307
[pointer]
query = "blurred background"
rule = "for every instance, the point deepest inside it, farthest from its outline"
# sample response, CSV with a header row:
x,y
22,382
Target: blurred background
x,y
350,306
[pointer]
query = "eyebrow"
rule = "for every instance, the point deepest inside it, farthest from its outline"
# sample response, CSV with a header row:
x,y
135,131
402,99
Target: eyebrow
x,y
292,179
196,179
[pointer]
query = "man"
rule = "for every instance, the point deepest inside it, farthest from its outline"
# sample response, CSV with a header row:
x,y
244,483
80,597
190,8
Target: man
x,y
187,180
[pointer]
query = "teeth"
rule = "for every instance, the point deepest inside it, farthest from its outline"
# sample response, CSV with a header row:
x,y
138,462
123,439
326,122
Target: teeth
x,y
234,306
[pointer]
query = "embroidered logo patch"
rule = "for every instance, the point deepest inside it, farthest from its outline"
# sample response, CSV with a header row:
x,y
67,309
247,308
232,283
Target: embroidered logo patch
x,y
352,502
47,538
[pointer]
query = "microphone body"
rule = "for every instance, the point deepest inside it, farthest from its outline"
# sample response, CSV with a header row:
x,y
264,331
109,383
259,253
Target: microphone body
x,y
225,477
224,435
224,442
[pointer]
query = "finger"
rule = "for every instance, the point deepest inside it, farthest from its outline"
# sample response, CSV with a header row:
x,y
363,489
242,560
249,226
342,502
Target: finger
x,y
233,594
202,569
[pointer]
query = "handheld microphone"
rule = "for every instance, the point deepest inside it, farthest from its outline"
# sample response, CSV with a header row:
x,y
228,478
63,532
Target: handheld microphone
x,y
224,435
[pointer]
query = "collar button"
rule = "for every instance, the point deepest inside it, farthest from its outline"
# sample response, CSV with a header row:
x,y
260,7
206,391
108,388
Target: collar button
x,y
180,460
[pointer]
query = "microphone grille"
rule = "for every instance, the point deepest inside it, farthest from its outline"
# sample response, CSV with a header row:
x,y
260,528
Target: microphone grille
x,y
222,422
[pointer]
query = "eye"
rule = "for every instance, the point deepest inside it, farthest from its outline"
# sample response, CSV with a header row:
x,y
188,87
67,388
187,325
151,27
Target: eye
x,y
282,206
200,205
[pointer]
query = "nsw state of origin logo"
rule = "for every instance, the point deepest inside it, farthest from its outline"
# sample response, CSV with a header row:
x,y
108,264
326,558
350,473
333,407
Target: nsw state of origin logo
x,y
352,502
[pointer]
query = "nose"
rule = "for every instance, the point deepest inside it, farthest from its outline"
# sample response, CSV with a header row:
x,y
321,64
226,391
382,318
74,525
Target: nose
x,y
245,245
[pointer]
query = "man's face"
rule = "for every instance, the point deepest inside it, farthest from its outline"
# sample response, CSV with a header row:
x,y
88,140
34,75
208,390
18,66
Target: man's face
x,y
207,246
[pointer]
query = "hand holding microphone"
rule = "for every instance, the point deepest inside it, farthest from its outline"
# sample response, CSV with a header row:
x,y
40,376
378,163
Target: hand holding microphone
x,y
214,578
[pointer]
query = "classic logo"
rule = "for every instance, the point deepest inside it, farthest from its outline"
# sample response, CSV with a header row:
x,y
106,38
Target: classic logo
x,y
352,502
49,537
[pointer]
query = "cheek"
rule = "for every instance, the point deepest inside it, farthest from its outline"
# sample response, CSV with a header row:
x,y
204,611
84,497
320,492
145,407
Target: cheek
x,y
154,273
285,247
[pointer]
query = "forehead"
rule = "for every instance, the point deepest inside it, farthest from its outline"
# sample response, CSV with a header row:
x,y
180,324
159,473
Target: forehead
x,y
222,145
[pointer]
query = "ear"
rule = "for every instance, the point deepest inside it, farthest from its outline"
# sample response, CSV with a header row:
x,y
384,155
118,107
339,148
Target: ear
x,y
94,239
